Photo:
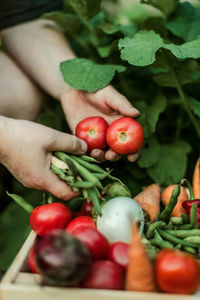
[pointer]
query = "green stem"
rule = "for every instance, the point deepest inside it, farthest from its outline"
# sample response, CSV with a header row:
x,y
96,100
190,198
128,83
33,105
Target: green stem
x,y
184,102
187,183
19,200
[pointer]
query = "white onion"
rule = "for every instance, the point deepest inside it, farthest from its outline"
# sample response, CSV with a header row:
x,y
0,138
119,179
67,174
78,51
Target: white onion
x,y
117,216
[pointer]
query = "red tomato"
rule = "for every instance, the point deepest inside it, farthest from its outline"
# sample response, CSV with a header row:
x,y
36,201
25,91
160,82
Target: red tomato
x,y
47,217
86,208
104,274
80,221
177,272
32,262
93,131
125,136
119,253
94,240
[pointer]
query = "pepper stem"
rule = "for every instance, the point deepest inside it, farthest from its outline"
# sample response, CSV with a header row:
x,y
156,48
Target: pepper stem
x,y
189,186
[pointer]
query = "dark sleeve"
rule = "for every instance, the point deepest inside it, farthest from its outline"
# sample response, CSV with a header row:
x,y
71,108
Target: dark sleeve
x,y
13,12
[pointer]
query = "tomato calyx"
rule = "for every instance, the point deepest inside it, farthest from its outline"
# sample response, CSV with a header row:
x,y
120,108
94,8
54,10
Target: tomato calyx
x,y
123,136
92,132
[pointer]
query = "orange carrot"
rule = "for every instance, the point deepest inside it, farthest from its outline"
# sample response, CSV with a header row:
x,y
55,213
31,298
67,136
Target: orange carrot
x,y
149,200
196,180
178,209
140,272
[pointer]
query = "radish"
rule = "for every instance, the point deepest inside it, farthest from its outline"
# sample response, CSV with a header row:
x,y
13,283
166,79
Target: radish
x,y
104,274
119,254
117,215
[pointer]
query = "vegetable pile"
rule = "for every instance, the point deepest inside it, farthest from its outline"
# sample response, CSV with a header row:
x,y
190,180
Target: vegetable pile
x,y
128,237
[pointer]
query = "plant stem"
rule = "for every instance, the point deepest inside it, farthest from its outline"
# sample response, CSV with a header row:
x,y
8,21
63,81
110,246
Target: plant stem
x,y
185,104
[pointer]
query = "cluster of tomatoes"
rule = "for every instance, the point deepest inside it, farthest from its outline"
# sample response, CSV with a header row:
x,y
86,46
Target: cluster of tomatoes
x,y
123,136
109,260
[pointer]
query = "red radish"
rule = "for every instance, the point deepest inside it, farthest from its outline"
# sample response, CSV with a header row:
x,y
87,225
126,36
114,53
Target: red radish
x,y
93,131
125,136
119,253
80,221
87,207
32,261
48,217
94,240
62,259
104,274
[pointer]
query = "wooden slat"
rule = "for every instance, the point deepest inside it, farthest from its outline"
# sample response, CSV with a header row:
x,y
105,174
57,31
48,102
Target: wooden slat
x,y
18,285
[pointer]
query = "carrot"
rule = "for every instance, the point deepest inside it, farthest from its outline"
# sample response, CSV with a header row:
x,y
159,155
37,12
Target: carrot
x,y
140,272
196,180
165,197
149,200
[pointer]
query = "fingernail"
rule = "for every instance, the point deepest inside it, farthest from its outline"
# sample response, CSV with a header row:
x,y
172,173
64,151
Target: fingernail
x,y
135,110
83,146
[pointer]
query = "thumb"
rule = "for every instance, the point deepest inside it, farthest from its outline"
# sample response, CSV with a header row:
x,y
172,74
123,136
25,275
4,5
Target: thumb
x,y
67,143
120,103
58,188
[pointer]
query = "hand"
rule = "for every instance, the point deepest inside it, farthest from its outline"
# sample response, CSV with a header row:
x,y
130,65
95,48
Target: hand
x,y
26,151
107,103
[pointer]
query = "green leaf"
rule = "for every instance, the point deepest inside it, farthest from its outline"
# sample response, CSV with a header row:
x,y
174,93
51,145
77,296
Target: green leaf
x,y
149,153
185,22
187,50
194,105
83,74
150,113
166,7
85,8
68,22
172,164
157,106
140,50
107,50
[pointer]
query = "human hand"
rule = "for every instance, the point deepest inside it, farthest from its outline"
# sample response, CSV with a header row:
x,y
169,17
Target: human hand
x,y
26,151
107,103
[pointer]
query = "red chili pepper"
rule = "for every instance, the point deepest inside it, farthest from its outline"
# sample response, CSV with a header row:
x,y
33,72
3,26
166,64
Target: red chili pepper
x,y
188,205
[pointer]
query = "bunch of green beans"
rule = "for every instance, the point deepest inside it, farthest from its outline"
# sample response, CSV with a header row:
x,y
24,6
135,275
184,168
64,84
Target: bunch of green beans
x,y
83,175
175,232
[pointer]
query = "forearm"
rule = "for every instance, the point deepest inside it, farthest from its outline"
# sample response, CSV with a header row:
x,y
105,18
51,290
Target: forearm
x,y
39,49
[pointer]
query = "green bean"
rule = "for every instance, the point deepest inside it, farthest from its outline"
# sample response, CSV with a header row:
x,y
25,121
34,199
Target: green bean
x,y
84,173
69,179
89,166
193,239
166,213
169,226
176,220
85,193
184,233
101,176
185,219
152,227
93,197
19,200
176,240
178,247
157,235
161,244
193,216
189,250
64,157
89,159
185,226
83,184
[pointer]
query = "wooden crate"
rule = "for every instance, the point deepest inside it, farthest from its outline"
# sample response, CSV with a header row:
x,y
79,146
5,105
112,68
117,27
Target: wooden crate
x,y
19,284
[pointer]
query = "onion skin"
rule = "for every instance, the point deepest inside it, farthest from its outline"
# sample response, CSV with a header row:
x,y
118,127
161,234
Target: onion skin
x,y
62,259
117,216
